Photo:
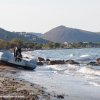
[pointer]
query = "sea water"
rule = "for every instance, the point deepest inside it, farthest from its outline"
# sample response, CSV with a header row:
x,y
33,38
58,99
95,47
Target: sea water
x,y
80,81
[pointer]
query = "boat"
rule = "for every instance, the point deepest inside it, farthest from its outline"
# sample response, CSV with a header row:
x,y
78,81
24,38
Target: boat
x,y
7,58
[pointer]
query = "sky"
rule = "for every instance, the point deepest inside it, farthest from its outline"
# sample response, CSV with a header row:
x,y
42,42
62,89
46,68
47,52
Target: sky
x,y
43,15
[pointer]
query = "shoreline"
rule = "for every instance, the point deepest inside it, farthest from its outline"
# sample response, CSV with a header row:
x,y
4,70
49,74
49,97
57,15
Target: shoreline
x,y
18,89
14,88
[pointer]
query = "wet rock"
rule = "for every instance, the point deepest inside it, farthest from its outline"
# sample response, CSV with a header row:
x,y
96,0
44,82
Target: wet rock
x,y
41,59
53,62
40,63
92,63
42,91
26,57
31,84
71,62
60,96
13,79
47,59
98,61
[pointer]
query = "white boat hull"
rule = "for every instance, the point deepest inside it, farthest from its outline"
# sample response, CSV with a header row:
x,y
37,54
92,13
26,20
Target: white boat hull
x,y
8,58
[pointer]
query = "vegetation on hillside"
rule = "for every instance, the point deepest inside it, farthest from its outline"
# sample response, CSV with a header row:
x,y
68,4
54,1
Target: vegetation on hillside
x,y
32,45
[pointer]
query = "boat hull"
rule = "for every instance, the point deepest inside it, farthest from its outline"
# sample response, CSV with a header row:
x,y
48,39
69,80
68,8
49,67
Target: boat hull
x,y
7,58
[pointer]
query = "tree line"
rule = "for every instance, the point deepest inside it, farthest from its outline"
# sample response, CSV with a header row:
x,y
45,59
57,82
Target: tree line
x,y
50,45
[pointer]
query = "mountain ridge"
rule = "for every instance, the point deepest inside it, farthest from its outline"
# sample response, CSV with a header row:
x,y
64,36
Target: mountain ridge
x,y
62,34
29,37
58,34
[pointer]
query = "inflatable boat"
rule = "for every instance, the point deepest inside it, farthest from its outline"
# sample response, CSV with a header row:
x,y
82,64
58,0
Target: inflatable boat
x,y
7,58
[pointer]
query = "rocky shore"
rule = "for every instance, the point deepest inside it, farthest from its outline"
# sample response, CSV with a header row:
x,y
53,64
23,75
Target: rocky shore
x,y
42,61
14,89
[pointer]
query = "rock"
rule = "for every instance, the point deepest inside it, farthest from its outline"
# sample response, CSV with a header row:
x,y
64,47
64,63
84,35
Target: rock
x,y
41,59
31,84
92,63
47,59
71,62
98,60
53,62
60,96
27,57
40,63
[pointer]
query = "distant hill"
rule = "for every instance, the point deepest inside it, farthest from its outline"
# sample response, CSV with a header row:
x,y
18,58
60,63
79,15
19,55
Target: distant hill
x,y
33,37
98,32
29,37
62,34
7,35
37,34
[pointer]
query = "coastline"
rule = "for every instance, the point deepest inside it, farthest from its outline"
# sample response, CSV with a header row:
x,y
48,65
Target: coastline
x,y
18,89
13,88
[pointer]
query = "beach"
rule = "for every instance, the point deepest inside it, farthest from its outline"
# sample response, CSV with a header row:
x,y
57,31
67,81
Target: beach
x,y
55,87
17,89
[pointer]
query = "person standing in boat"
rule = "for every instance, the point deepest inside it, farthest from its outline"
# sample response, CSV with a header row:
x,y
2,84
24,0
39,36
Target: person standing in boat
x,y
17,53
15,49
